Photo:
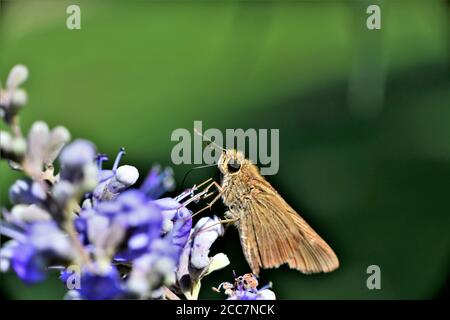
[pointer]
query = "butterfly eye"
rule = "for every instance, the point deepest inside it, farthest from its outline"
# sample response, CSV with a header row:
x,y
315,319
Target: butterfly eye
x,y
233,166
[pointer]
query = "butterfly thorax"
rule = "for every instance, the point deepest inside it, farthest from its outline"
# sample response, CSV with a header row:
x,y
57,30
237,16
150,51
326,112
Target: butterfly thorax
x,y
237,189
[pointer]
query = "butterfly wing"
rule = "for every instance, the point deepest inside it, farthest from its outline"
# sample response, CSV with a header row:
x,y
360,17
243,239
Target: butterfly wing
x,y
272,234
249,242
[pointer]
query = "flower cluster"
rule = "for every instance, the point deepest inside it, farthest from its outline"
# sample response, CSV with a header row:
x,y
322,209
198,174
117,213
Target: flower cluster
x,y
107,238
246,288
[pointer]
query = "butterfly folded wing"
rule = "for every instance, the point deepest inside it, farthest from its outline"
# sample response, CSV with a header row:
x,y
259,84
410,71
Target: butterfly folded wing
x,y
249,242
272,234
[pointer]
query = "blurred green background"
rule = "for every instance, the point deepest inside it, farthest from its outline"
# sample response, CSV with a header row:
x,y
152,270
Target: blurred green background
x,y
364,117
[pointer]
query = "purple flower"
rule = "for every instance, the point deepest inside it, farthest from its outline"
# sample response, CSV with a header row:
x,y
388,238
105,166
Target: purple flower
x,y
130,215
6,253
77,154
206,231
113,182
195,262
138,212
77,163
28,263
154,269
40,244
158,182
262,294
176,220
245,288
27,192
101,286
119,242
169,208
181,231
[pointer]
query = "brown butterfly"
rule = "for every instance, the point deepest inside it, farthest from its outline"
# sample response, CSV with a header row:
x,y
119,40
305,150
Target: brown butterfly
x,y
271,232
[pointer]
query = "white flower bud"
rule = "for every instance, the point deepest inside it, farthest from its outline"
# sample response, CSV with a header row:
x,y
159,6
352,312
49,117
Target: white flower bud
x,y
6,141
37,144
19,146
62,191
29,213
124,177
17,76
59,136
138,241
19,98
87,204
127,175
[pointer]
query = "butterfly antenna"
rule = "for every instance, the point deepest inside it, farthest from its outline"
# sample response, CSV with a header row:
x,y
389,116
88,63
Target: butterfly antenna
x,y
195,168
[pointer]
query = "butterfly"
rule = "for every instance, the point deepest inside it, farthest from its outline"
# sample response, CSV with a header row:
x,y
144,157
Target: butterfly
x,y
272,233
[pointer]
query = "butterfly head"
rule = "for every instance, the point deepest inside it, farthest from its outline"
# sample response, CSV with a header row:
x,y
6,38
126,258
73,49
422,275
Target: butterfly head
x,y
231,161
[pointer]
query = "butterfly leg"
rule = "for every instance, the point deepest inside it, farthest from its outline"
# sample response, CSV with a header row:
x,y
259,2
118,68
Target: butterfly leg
x,y
202,195
210,204
225,221
231,217
213,184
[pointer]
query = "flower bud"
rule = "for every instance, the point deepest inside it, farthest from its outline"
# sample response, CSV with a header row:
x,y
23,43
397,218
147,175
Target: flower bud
x,y
59,136
5,141
29,213
77,164
124,177
17,76
19,98
62,192
37,144
77,154
19,147
127,175
26,192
